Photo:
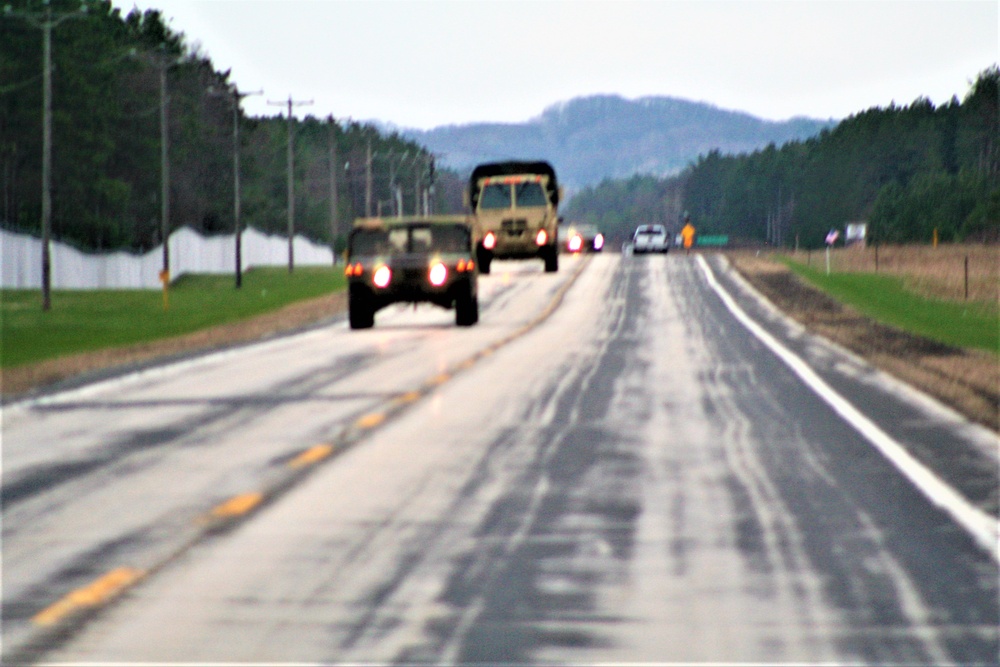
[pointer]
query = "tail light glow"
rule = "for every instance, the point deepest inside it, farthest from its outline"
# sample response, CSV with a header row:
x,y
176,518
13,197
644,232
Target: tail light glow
x,y
490,241
598,241
575,243
542,237
352,270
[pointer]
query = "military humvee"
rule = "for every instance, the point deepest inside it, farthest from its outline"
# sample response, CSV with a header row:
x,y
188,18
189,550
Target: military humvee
x,y
416,259
514,212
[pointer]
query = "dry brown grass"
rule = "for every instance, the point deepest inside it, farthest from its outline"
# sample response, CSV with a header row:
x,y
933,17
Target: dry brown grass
x,y
933,272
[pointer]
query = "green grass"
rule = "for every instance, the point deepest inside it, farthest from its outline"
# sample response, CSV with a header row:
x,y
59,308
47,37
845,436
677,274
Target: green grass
x,y
884,298
85,320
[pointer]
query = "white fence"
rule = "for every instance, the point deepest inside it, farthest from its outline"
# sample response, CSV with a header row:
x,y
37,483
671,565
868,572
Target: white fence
x,y
190,252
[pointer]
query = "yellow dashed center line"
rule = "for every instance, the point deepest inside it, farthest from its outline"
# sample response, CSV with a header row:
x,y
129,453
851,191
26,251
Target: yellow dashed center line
x,y
99,591
409,397
370,420
440,379
238,505
116,581
311,455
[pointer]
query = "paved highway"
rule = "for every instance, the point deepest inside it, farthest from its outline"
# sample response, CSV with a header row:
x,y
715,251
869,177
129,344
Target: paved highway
x,y
631,460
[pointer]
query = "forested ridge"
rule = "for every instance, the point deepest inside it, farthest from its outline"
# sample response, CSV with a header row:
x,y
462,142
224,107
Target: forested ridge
x,y
595,137
106,175
905,170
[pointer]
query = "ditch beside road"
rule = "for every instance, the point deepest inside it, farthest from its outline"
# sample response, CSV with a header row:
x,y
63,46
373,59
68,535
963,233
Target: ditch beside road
x,y
966,380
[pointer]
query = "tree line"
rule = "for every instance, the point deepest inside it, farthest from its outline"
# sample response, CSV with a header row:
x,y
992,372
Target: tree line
x,y
106,139
908,171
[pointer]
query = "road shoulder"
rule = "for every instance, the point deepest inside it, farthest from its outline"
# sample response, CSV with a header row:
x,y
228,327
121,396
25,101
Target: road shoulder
x,y
967,381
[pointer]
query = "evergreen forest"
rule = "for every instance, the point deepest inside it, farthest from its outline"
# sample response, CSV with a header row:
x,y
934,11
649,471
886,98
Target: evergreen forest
x,y
908,171
107,107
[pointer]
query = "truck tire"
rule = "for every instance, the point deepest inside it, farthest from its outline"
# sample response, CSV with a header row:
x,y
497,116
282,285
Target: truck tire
x,y
360,313
466,309
551,257
484,258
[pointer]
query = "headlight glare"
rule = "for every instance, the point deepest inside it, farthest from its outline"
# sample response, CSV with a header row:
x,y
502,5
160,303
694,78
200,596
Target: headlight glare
x,y
382,276
438,274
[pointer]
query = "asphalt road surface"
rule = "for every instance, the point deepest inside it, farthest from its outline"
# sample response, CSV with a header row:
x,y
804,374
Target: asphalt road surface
x,y
632,460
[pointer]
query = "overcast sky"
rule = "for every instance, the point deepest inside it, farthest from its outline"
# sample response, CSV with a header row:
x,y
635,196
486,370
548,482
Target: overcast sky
x,y
425,63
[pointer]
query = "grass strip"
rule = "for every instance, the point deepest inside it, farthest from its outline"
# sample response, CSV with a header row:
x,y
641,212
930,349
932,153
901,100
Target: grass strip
x,y
973,324
87,320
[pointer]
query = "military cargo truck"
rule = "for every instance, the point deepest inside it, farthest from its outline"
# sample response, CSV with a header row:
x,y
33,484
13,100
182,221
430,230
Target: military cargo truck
x,y
515,212
416,259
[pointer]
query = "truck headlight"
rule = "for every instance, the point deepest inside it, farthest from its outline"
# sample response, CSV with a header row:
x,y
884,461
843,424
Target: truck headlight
x,y
382,276
438,274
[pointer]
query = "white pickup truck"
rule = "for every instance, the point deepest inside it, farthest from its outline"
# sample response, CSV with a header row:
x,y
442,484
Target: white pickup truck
x,y
650,238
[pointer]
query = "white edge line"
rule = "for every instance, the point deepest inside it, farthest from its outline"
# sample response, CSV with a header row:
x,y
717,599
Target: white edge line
x,y
984,528
154,371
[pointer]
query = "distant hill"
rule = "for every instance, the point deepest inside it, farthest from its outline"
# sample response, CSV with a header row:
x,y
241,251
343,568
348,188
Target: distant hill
x,y
589,139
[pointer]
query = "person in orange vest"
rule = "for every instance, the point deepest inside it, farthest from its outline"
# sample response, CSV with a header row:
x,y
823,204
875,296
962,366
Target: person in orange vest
x,y
687,233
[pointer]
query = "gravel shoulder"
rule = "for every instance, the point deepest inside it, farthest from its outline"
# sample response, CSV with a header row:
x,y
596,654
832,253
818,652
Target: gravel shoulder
x,y
966,380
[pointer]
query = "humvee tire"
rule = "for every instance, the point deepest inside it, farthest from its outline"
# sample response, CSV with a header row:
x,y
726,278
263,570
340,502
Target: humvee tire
x,y
360,313
551,257
466,310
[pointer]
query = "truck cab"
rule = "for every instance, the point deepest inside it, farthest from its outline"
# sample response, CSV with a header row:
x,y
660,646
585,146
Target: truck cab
x,y
515,212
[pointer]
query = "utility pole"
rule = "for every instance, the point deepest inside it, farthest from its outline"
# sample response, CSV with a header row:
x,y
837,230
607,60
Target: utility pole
x,y
235,96
368,180
46,21
416,185
334,213
164,174
291,178
237,223
430,183
397,189
162,62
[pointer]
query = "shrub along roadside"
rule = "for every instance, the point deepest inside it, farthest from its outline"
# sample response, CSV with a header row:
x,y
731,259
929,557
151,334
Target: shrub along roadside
x,y
971,324
85,320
